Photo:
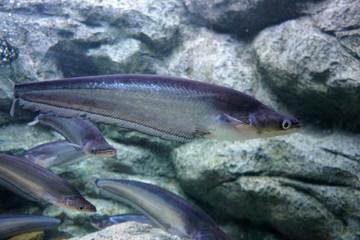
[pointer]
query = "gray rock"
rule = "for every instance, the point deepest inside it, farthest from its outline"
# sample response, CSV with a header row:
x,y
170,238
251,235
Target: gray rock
x,y
130,230
336,15
311,72
61,39
341,19
285,183
242,18
214,58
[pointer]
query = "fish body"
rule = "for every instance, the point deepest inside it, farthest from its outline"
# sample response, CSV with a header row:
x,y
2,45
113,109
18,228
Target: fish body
x,y
171,108
36,183
79,132
14,224
165,209
53,154
101,223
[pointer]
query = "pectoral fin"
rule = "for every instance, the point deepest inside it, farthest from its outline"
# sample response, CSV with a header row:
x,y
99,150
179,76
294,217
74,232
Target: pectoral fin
x,y
77,146
223,117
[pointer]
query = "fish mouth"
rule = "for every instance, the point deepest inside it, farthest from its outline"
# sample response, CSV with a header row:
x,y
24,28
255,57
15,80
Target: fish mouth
x,y
107,153
102,153
90,210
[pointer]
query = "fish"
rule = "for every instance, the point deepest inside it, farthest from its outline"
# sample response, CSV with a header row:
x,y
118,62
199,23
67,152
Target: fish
x,y
171,108
36,183
100,223
165,209
82,133
53,154
14,224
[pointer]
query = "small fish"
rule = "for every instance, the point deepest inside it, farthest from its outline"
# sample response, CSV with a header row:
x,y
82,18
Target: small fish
x,y
171,108
14,224
80,132
101,223
53,154
165,209
36,183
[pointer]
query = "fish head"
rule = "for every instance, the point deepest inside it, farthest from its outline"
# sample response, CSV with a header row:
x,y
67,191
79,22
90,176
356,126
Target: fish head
x,y
97,149
269,123
79,204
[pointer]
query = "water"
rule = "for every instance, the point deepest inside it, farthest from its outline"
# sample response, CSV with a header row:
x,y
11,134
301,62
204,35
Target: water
x,y
298,58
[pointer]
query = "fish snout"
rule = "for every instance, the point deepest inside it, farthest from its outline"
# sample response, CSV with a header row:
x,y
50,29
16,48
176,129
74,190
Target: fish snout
x,y
100,152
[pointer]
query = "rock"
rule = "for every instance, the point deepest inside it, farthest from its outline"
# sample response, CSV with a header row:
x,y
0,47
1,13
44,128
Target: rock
x,y
17,137
341,19
130,230
242,18
284,183
336,16
312,73
213,58
52,38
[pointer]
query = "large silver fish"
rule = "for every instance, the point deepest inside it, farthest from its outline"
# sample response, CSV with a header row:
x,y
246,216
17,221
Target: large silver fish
x,y
14,224
78,131
171,108
165,209
36,183
53,154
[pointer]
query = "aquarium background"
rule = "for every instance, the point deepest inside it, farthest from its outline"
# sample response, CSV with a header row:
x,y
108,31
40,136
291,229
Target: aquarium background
x,y
299,57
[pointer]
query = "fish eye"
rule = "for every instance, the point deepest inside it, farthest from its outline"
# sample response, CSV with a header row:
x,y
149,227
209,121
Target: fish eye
x,y
286,124
93,150
81,207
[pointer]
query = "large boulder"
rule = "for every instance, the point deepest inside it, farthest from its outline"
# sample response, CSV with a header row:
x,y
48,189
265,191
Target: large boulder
x,y
129,230
242,18
214,58
311,70
302,186
55,39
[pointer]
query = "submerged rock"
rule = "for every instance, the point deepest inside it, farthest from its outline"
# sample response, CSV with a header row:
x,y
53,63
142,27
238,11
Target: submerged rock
x,y
75,38
311,70
213,58
243,18
283,183
341,19
130,230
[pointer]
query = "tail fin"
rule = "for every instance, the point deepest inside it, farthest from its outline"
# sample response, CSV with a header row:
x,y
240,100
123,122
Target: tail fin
x,y
12,109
